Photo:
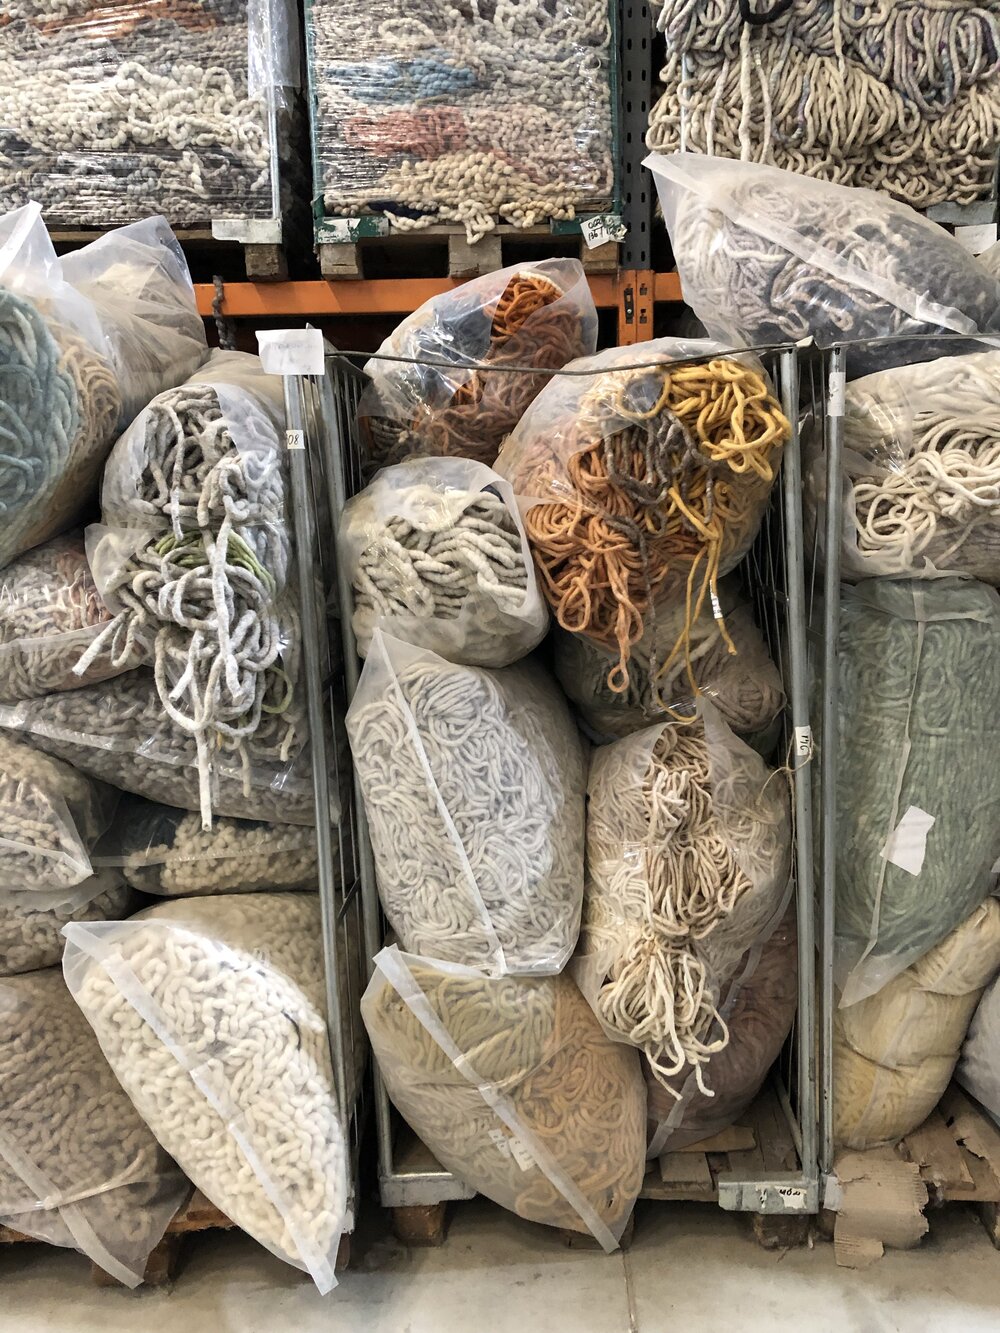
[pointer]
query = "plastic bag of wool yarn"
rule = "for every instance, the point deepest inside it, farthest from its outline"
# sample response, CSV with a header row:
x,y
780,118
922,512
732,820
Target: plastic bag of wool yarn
x,y
894,1052
514,1088
918,793
474,784
979,1068
459,399
758,1011
921,471
167,852
438,556
688,865
211,1013
990,260
31,923
51,816
50,613
768,256
644,487
78,1167
117,731
745,686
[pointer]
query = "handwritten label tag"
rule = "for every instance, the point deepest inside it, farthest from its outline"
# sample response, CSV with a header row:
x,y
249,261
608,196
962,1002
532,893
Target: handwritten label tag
x,y
291,351
603,228
803,742
512,1147
295,439
906,845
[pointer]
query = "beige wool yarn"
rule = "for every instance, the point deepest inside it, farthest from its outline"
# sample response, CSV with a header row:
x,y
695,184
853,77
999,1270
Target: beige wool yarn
x,y
31,923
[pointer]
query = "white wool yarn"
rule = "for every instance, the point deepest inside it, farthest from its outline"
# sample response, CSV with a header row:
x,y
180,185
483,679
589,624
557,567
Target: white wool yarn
x,y
31,923
210,1012
50,818
77,1165
474,788
432,112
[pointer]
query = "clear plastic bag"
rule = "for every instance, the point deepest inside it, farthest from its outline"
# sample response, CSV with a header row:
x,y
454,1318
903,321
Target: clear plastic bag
x,y
990,260
745,686
474,785
540,315
918,793
117,731
211,1013
438,556
769,256
50,816
168,853
135,108
31,923
78,1167
514,1088
688,865
894,1052
921,471
979,1068
758,1011
50,613
645,486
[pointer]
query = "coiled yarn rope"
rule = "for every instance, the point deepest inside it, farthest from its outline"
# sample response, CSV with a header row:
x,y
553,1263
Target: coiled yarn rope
x,y
649,480
526,1100
541,317
688,861
474,789
433,113
766,256
894,96
923,470
50,610
210,1012
31,924
78,1167
894,1053
59,407
919,710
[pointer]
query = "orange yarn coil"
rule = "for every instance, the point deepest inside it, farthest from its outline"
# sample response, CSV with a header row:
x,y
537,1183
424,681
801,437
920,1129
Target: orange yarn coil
x,y
662,476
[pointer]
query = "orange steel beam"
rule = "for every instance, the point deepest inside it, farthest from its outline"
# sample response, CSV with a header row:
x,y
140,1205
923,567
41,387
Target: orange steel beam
x,y
382,296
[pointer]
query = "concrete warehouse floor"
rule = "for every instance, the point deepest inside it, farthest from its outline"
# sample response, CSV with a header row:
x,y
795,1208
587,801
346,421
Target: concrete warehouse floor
x,y
690,1268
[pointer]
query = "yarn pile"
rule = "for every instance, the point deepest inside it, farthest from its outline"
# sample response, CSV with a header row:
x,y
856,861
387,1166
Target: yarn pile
x,y
432,113
139,109
899,97
31,923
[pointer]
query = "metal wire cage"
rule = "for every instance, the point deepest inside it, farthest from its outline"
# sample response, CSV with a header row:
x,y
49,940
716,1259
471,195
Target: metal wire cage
x,y
774,573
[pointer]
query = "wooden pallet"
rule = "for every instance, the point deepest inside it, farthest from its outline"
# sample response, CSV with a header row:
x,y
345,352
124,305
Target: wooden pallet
x,y
205,254
444,252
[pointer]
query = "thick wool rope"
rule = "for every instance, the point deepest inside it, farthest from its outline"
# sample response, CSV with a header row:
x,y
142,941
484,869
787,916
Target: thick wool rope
x,y
745,687
650,480
78,1167
894,1053
540,316
923,464
50,610
119,122
433,113
768,256
474,788
118,731
210,1012
919,712
31,928
167,853
681,880
528,1101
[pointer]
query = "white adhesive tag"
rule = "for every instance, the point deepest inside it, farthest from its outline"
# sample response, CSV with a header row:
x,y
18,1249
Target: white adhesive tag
x,y
906,846
835,393
603,228
291,351
716,604
977,238
803,742
295,439
796,1199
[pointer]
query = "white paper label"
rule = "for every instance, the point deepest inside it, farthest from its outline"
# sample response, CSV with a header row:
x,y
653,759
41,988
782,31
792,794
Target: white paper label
x,y
907,844
602,229
716,604
978,238
803,742
291,351
295,439
835,392
512,1147
794,1196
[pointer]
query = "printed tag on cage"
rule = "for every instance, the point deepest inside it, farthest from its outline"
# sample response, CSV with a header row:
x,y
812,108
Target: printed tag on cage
x,y
291,351
295,439
977,238
906,845
803,742
601,229
512,1147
